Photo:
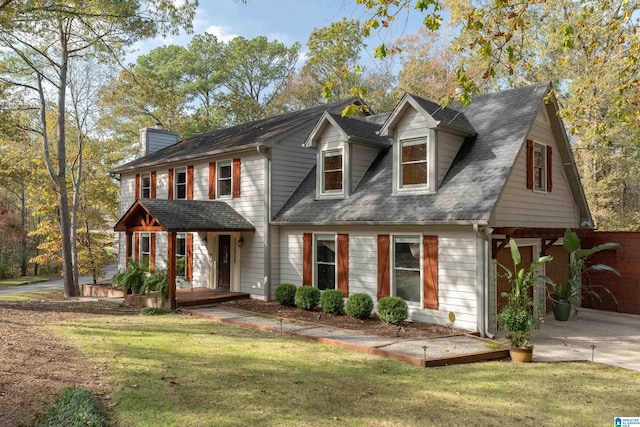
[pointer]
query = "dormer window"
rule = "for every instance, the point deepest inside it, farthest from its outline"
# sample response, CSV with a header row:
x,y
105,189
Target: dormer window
x,y
413,163
332,171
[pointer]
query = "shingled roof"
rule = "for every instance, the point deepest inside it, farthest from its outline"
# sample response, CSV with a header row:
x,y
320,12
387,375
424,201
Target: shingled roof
x,y
470,189
184,215
254,133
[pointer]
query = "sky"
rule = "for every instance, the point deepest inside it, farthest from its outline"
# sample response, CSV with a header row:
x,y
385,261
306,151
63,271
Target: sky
x,y
287,21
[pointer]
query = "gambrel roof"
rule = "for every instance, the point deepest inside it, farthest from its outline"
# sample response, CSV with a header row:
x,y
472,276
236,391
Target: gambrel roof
x,y
252,134
498,122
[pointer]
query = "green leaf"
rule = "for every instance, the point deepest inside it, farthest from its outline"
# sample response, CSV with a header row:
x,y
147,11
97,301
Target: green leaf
x,y
571,240
515,252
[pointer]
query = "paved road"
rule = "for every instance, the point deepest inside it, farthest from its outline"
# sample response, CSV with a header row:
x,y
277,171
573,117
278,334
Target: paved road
x,y
110,270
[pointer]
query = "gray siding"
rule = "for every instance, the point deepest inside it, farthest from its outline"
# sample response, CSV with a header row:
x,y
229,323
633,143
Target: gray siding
x,y
522,207
457,267
448,146
361,157
152,140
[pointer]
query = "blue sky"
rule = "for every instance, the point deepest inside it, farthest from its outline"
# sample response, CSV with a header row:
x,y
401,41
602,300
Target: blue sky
x,y
287,21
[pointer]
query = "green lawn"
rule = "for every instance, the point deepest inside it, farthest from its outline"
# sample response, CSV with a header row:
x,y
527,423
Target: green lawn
x,y
179,371
25,280
47,294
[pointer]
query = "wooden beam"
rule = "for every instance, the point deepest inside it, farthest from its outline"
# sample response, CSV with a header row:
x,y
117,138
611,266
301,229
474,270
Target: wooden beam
x,y
171,268
547,243
497,244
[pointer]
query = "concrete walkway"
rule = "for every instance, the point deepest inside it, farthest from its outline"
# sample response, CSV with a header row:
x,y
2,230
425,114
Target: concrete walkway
x,y
616,338
110,271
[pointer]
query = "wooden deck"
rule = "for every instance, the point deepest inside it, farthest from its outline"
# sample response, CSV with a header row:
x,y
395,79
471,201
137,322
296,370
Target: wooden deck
x,y
203,296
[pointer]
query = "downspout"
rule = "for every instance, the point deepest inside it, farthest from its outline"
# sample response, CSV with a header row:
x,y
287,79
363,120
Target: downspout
x,y
485,235
262,149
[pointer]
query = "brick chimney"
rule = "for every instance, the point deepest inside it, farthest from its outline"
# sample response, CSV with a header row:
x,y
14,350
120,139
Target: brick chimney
x,y
156,138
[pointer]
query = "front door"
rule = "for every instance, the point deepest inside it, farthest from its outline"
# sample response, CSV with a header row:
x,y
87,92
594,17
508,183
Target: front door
x,y
224,262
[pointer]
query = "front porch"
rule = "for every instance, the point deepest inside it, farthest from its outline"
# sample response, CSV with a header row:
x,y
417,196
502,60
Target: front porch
x,y
204,296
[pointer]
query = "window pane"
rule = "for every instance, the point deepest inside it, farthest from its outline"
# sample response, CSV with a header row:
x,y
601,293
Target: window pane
x,y
225,171
224,187
407,255
326,276
333,180
414,173
537,158
181,245
325,251
408,285
181,191
332,162
181,176
144,243
412,153
538,178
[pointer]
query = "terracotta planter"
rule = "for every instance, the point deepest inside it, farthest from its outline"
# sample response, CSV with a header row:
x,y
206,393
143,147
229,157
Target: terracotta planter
x,y
521,355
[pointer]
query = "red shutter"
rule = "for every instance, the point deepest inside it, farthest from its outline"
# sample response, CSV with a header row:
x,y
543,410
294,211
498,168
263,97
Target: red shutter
x,y
153,184
343,264
137,186
384,273
307,259
189,266
190,182
212,180
136,247
529,164
236,178
549,168
170,194
430,274
152,251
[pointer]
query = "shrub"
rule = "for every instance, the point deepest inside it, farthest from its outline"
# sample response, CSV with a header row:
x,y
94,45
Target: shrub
x,y
359,306
76,407
307,297
286,294
392,310
332,301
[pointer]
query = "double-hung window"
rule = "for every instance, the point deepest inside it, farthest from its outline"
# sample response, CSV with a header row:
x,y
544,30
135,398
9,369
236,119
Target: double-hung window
x,y
539,167
181,255
325,261
145,186
145,250
413,163
332,171
180,183
407,268
224,179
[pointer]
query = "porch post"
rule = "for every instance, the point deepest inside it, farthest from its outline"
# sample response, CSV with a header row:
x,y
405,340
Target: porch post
x,y
171,268
127,248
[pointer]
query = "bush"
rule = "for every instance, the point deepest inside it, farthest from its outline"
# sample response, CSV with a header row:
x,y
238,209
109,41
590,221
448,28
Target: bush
x,y
359,306
392,310
286,294
332,301
307,297
76,407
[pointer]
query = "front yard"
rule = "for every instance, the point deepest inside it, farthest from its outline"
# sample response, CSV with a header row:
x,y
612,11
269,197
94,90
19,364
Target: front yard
x,y
176,370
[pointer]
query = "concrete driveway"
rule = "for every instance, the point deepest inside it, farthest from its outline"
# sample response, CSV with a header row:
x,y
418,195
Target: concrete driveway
x,y
616,338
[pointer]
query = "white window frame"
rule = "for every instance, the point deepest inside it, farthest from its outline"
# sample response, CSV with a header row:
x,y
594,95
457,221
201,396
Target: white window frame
x,y
146,253
394,238
219,166
176,184
543,149
179,255
332,152
144,188
413,141
316,238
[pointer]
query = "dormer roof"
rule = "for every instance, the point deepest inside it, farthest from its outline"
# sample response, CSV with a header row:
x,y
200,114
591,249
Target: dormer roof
x,y
450,119
352,129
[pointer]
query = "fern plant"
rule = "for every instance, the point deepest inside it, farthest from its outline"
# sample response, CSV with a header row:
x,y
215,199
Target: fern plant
x,y
131,278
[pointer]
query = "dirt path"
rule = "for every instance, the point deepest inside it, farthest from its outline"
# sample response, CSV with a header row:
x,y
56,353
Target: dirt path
x,y
35,365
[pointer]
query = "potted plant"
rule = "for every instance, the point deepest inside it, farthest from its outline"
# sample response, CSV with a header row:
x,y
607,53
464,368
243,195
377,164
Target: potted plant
x,y
131,279
569,295
518,317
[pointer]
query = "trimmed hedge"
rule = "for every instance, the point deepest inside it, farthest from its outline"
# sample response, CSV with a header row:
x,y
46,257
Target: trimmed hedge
x,y
392,310
286,294
332,301
307,297
359,305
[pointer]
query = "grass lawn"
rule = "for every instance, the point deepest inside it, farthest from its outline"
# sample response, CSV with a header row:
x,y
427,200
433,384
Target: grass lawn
x,y
179,371
25,280
47,294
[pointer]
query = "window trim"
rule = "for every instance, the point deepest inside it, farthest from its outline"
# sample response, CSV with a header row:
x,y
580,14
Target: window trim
x,y
219,166
338,151
143,253
543,149
428,187
178,255
392,266
176,184
146,175
323,236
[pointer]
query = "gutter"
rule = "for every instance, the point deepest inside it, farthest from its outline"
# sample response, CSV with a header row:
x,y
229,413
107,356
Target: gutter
x,y
485,235
385,223
265,152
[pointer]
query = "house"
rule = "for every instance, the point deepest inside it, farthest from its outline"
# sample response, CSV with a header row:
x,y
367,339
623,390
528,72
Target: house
x,y
419,202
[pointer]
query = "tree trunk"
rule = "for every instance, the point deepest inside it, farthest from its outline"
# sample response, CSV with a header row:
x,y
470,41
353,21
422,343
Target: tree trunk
x,y
23,233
